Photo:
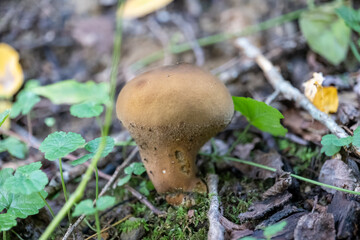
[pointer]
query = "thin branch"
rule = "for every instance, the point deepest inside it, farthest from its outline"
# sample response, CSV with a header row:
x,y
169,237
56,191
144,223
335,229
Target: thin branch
x,y
112,225
146,202
216,230
278,82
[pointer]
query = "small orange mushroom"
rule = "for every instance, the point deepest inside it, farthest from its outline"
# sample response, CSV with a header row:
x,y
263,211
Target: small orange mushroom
x,y
171,112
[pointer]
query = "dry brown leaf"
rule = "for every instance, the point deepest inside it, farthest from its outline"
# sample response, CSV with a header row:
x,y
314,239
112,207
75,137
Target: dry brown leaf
x,y
140,8
337,173
11,74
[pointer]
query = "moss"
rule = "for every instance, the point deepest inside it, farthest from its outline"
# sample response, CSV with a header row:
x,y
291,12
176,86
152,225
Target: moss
x,y
180,222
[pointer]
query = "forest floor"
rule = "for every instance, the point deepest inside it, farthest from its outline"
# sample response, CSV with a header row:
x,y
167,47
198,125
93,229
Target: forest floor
x,y
62,40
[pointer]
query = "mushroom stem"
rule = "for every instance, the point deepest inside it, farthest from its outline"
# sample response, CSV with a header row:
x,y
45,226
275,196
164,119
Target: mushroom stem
x,y
165,168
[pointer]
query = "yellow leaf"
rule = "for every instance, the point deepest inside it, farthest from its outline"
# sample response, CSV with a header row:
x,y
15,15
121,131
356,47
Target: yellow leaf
x,y
326,99
5,105
140,8
11,74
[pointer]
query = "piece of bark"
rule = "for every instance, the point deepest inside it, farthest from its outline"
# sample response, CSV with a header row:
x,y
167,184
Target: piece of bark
x,y
287,232
335,172
235,235
321,225
287,211
259,210
346,213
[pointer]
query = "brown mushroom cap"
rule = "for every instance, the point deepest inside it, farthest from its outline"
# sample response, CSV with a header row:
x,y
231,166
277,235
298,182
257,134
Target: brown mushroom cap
x,y
171,112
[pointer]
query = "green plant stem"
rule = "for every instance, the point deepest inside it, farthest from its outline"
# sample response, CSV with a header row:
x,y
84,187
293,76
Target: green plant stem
x,y
239,138
64,187
96,183
89,225
354,50
4,235
292,175
217,38
97,222
47,204
19,237
78,193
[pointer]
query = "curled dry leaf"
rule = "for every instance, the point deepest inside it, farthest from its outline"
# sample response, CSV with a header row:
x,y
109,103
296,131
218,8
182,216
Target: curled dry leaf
x,y
11,74
324,98
140,8
283,181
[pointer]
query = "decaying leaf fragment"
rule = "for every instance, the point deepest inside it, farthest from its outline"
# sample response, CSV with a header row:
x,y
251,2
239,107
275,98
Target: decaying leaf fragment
x,y
11,74
140,8
324,98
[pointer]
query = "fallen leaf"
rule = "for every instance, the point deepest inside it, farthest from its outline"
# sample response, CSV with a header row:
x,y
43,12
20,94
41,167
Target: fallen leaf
x,y
11,74
324,98
140,8
335,172
302,124
311,86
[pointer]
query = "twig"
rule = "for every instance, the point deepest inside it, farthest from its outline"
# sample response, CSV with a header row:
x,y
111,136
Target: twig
x,y
290,92
146,202
104,190
162,36
112,225
216,230
189,34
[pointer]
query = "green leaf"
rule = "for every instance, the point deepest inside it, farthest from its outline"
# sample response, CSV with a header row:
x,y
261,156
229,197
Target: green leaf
x,y
351,17
73,92
331,139
93,146
330,150
124,180
3,116
60,144
274,229
25,101
260,115
356,137
27,179
21,205
136,168
105,202
15,147
7,221
146,187
84,207
82,160
86,110
326,33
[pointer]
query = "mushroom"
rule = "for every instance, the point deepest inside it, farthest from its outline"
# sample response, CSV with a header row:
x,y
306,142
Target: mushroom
x,y
171,112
